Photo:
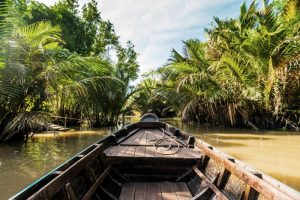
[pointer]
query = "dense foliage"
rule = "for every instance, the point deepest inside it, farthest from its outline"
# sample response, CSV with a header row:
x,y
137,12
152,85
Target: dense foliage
x,y
247,72
56,61
65,62
148,97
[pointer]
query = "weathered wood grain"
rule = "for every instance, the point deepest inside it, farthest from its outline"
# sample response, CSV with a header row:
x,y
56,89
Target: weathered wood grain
x,y
182,191
127,192
167,191
140,191
154,191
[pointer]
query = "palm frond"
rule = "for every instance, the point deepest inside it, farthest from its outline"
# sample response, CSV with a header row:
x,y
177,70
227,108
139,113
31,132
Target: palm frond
x,y
24,123
40,34
291,9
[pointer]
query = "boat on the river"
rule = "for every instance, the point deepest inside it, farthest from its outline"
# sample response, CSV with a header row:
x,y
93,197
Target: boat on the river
x,y
154,160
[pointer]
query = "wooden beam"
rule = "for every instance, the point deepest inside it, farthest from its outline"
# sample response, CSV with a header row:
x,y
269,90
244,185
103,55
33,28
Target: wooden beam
x,y
70,192
250,193
258,184
219,194
93,188
108,193
224,176
201,194
185,174
191,141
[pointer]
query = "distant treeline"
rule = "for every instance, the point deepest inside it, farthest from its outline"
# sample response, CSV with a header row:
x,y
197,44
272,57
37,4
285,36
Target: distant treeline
x,y
246,74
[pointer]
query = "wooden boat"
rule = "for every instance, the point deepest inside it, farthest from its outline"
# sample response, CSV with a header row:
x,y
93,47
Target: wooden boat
x,y
154,160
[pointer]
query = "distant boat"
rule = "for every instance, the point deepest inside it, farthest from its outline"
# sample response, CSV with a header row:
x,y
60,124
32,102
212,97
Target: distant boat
x,y
154,160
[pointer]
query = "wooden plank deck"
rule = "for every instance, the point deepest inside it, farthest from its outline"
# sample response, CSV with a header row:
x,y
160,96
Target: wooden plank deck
x,y
149,152
140,145
145,137
155,190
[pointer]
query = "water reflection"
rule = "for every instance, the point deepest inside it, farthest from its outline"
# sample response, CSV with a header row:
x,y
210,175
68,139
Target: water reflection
x,y
22,163
275,153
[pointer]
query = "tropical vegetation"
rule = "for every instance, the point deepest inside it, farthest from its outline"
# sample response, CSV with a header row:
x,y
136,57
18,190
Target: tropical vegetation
x,y
65,64
56,62
246,74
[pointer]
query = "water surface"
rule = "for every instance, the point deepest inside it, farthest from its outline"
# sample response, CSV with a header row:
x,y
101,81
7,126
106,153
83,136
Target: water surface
x,y
274,153
22,163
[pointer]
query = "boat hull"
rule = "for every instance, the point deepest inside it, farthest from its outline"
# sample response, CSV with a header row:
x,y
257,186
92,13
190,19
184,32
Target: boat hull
x,y
154,160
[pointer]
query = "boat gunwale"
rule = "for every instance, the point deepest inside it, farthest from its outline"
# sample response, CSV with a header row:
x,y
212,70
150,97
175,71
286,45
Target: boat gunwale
x,y
277,185
34,183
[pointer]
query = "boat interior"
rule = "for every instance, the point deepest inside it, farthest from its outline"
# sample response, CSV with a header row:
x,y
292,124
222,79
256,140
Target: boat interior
x,y
146,160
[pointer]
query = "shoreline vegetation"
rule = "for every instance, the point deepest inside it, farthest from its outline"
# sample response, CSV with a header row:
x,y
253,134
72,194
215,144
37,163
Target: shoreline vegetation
x,y
67,61
246,73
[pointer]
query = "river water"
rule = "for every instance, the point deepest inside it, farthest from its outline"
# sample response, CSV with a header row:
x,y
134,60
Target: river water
x,y
274,153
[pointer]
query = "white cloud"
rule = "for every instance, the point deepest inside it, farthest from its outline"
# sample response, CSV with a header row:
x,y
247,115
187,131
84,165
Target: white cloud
x,y
157,26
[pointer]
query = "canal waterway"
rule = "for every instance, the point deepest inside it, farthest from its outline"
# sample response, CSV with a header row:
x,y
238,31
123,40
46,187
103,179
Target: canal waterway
x,y
275,153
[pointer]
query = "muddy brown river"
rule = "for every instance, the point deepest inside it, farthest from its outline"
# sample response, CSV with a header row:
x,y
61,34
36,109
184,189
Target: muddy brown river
x,y
272,152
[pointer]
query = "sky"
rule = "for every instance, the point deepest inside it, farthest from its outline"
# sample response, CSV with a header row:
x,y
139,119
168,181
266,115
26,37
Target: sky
x,y
155,27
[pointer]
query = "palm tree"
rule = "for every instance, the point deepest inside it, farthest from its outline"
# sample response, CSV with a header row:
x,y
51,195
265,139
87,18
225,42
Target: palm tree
x,y
194,82
36,68
39,76
116,101
242,71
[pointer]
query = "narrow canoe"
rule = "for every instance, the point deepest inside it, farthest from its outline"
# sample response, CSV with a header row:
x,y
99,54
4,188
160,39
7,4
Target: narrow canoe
x,y
154,160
